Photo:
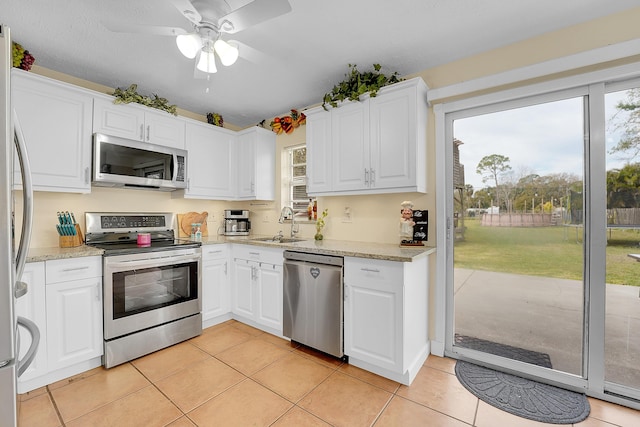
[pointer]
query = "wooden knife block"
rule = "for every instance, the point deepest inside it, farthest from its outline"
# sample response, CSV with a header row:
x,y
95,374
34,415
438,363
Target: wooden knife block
x,y
71,241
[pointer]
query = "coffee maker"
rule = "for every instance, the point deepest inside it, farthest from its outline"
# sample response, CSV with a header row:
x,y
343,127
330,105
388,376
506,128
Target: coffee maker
x,y
236,222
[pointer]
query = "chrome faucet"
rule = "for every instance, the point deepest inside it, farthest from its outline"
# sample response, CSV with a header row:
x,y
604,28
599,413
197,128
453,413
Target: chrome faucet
x,y
283,214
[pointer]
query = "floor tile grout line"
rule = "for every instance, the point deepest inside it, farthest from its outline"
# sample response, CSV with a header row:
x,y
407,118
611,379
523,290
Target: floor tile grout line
x,y
384,407
55,406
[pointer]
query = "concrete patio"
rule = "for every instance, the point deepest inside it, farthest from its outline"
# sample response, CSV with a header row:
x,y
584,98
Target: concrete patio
x,y
545,315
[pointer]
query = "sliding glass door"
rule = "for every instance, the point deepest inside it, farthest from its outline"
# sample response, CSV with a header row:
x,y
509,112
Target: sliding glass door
x,y
518,247
543,253
622,321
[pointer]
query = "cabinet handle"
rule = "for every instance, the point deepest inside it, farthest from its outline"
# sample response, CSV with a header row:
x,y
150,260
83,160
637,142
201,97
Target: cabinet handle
x,y
345,296
141,132
215,252
373,177
98,292
254,253
87,175
366,176
225,268
370,270
148,127
68,270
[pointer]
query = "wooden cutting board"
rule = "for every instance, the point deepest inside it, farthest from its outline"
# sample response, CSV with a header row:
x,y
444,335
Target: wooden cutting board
x,y
185,220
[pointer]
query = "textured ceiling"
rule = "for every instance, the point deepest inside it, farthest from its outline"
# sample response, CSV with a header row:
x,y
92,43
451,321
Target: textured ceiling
x,y
291,60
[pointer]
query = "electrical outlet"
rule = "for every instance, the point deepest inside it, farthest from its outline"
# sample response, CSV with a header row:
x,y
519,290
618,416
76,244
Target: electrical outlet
x,y
265,218
346,215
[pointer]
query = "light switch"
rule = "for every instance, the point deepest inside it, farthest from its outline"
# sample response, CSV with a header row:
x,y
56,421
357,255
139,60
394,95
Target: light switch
x,y
346,215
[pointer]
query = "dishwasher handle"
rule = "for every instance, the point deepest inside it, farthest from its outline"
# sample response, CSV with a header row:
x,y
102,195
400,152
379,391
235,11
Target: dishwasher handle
x,y
337,261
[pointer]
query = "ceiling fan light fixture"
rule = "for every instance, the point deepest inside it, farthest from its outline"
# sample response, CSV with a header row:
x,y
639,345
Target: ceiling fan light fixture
x,y
227,52
189,44
207,61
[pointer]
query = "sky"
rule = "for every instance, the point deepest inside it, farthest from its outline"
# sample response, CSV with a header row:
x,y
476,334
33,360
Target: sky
x,y
542,139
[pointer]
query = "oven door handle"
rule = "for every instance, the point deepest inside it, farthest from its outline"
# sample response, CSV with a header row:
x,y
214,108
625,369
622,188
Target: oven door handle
x,y
150,262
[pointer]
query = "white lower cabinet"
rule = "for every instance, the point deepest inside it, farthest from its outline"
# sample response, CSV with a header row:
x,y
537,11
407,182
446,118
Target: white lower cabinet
x,y
257,287
74,334
65,302
385,316
216,298
32,306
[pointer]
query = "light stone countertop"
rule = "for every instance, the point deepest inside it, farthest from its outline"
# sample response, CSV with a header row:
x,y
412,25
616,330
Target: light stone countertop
x,y
48,254
381,251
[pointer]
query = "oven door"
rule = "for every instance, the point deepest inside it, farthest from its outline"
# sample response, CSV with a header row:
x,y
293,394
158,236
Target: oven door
x,y
149,289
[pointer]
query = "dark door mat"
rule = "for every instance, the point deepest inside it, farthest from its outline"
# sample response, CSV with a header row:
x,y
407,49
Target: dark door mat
x,y
523,397
515,353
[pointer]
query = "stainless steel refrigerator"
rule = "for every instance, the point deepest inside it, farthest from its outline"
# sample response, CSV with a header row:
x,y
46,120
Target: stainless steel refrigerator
x,y
12,260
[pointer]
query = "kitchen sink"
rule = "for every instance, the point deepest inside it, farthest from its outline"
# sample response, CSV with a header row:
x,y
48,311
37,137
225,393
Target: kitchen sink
x,y
278,239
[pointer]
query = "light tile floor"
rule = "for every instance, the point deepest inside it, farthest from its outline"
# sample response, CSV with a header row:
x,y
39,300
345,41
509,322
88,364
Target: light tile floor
x,y
235,375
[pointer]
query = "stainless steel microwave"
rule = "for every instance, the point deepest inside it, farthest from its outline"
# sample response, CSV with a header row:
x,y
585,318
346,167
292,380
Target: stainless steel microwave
x,y
121,162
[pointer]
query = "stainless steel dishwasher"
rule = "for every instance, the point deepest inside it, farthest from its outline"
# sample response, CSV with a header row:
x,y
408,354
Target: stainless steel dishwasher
x,y
313,307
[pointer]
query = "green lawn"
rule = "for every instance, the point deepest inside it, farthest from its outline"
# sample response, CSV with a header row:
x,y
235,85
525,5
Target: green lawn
x,y
544,251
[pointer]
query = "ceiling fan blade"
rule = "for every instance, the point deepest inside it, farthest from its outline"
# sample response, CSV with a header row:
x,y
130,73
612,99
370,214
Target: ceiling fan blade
x,y
186,8
254,13
249,53
144,29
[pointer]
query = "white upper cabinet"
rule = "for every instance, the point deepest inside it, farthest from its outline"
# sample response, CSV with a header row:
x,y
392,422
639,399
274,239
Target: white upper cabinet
x,y
318,153
256,154
350,146
210,162
377,145
56,122
138,123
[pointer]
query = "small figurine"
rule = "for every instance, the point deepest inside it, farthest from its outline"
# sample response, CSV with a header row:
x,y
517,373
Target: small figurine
x,y
406,221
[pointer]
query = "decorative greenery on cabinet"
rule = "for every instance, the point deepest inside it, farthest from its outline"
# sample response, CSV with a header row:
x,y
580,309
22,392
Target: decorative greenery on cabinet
x,y
358,83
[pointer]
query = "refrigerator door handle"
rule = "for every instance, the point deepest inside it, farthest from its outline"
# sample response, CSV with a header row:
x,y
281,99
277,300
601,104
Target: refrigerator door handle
x,y
21,289
31,327
27,196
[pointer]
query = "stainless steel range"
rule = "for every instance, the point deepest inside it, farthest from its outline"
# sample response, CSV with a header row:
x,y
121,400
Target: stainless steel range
x,y
151,283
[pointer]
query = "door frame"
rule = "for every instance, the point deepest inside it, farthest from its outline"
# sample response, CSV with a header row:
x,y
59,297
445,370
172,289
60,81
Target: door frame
x,y
593,85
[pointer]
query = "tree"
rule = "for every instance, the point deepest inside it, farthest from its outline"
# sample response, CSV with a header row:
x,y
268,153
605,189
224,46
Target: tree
x,y
623,187
491,167
630,139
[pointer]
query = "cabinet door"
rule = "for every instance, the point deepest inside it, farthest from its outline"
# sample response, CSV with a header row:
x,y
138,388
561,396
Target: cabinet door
x,y
210,163
162,128
318,152
215,289
74,320
393,139
373,313
56,122
118,119
246,152
350,146
32,306
269,310
243,294
256,157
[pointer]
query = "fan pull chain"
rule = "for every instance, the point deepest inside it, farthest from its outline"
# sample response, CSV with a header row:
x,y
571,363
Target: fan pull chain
x,y
208,79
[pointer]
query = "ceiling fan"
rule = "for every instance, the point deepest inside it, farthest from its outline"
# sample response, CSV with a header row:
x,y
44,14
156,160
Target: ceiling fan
x,y
204,42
